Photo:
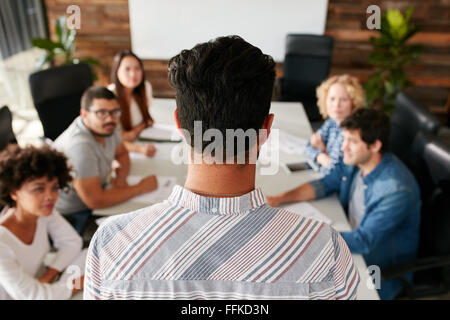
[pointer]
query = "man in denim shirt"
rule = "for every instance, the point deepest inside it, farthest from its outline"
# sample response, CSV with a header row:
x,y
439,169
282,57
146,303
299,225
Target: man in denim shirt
x,y
384,210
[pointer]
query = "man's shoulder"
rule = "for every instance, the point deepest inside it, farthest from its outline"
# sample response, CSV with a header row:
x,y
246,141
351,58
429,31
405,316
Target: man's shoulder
x,y
73,136
396,175
134,220
323,230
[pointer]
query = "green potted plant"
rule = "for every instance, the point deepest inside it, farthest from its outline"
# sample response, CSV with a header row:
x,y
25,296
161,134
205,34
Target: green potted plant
x,y
61,51
390,56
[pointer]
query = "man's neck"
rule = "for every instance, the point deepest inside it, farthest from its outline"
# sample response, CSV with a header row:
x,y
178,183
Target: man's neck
x,y
371,164
220,180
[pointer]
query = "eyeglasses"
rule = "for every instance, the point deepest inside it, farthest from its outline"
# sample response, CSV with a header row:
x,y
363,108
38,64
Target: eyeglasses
x,y
102,114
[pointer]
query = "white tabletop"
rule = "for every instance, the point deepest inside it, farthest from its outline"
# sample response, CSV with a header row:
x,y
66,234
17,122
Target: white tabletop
x,y
289,117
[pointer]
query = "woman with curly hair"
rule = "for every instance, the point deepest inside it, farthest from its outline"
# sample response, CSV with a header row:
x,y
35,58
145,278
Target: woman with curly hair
x,y
338,96
29,182
134,94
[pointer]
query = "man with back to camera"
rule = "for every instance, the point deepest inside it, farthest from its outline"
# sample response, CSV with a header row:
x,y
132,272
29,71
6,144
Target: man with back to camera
x,y
379,192
96,152
216,238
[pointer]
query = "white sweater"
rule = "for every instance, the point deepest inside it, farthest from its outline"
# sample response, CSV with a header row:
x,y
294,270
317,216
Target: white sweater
x,y
20,263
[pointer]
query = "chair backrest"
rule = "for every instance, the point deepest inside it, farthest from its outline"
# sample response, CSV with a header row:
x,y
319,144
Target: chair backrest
x,y
306,64
57,95
408,119
6,132
436,233
307,58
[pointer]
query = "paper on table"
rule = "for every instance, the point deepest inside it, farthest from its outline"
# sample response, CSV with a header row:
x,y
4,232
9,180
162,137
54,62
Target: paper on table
x,y
165,186
163,151
285,142
291,144
266,154
306,210
160,131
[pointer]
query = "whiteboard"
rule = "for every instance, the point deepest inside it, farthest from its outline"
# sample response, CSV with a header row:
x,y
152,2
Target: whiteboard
x,y
160,29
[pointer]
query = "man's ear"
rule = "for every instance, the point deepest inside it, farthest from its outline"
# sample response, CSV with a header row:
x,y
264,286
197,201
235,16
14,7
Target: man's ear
x,y
267,125
376,146
177,122
83,113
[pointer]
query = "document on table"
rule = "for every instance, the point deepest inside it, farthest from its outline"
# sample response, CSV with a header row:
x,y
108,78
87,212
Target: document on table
x,y
163,151
291,144
160,131
165,186
306,210
280,141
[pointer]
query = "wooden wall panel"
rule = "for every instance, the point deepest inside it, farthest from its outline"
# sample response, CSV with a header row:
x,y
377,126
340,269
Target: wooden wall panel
x,y
105,30
346,22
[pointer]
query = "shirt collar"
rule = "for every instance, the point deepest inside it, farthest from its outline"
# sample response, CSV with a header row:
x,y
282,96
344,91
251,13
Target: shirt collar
x,y
375,173
217,206
334,123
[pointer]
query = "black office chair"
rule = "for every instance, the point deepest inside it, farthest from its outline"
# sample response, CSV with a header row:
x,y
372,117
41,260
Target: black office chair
x,y
431,269
6,132
307,63
57,94
408,119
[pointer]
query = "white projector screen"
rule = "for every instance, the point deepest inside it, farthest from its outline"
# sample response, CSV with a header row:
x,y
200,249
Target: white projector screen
x,y
160,29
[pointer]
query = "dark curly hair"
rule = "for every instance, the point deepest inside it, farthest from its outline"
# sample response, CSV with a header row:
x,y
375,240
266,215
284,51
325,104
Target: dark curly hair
x,y
19,165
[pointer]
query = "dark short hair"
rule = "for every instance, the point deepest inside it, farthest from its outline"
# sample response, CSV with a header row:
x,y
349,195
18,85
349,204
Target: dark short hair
x,y
95,92
226,83
19,165
372,124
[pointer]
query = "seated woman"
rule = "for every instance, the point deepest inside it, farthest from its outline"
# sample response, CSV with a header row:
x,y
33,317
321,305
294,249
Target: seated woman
x,y
134,94
337,97
29,183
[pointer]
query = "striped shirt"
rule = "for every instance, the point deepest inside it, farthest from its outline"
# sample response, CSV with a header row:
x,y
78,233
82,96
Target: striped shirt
x,y
195,247
331,135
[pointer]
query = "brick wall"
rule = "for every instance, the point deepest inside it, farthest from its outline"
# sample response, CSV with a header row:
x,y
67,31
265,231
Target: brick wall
x,y
346,22
105,30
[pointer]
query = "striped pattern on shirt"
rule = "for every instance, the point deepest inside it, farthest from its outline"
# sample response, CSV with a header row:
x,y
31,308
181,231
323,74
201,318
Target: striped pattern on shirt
x,y
194,247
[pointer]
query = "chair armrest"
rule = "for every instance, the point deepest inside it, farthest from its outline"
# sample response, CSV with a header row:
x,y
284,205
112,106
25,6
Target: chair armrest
x,y
401,269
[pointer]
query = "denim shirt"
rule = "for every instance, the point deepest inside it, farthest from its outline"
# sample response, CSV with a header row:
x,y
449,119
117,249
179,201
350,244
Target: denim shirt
x,y
331,135
389,229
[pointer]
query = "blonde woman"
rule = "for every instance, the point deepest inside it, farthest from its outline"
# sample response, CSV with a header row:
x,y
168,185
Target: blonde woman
x,y
338,97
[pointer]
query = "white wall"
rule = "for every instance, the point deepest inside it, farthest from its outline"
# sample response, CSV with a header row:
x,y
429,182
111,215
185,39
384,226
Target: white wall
x,y
160,29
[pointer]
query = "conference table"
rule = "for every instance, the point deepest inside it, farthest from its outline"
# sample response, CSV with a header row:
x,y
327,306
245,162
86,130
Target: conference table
x,y
289,117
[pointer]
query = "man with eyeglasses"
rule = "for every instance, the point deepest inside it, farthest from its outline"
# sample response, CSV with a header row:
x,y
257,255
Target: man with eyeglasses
x,y
99,159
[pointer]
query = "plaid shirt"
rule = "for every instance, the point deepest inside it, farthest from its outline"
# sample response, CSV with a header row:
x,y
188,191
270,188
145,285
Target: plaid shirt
x,y
332,137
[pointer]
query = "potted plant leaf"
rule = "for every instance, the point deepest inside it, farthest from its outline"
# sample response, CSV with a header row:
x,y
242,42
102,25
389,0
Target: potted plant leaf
x,y
390,56
61,51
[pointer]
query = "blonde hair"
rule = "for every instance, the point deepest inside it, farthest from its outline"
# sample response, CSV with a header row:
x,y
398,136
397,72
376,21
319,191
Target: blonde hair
x,y
352,86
